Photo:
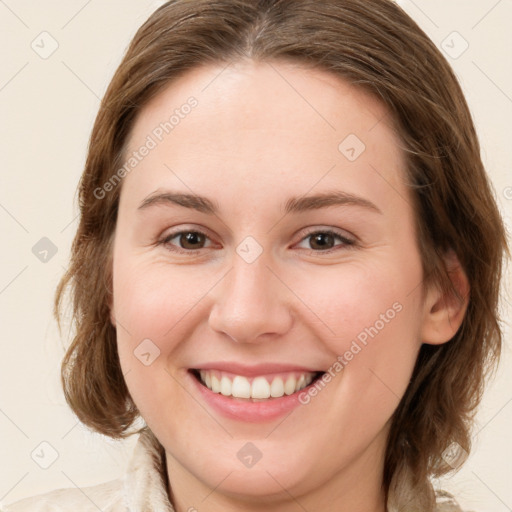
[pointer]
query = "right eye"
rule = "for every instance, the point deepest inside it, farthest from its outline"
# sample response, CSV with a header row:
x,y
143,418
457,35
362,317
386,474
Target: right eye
x,y
188,241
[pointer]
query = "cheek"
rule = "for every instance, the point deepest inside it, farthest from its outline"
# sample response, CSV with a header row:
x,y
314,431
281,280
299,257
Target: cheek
x,y
148,305
371,320
150,299
362,302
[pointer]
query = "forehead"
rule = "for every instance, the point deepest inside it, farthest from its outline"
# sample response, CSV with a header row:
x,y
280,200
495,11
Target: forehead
x,y
257,121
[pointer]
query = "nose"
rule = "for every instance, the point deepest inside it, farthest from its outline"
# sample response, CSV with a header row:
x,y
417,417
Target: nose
x,y
252,303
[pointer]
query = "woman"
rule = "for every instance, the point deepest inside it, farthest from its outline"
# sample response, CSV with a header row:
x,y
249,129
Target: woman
x,y
288,263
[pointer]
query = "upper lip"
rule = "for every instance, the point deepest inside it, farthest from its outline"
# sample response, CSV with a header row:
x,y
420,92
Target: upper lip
x,y
253,370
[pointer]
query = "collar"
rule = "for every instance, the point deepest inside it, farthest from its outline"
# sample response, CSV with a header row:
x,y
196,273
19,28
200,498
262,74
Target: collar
x,y
145,481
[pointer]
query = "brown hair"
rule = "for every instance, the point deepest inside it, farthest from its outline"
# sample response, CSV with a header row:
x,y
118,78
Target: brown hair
x,y
374,45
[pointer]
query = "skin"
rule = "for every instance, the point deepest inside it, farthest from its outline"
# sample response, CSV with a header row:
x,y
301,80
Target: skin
x,y
260,134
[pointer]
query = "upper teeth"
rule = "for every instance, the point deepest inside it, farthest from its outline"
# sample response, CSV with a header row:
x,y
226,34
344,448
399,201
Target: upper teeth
x,y
239,386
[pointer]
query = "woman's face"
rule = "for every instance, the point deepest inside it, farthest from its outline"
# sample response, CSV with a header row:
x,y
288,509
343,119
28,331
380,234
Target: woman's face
x,y
248,284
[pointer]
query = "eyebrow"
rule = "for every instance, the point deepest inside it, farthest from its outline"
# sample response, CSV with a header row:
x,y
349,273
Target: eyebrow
x,y
292,205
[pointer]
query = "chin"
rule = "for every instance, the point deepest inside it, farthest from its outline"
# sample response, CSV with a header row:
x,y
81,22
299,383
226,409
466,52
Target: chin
x,y
273,476
262,484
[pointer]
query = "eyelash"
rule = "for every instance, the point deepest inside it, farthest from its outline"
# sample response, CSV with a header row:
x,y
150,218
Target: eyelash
x,y
347,243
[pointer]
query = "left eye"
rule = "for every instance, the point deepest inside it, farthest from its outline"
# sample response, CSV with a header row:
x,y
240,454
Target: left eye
x,y
325,238
189,241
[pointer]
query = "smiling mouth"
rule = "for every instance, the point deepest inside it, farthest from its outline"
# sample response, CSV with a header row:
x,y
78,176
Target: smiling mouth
x,y
260,388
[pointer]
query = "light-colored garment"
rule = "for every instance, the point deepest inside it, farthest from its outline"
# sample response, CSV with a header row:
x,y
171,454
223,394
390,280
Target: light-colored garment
x,y
142,489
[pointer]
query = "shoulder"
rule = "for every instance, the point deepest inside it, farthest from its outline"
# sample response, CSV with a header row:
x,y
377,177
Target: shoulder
x,y
107,497
142,487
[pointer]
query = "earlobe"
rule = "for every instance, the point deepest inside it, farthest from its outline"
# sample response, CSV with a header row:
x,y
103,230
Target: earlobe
x,y
444,312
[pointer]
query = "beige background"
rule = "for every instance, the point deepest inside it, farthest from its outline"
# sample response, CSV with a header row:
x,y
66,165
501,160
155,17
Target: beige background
x,y
47,108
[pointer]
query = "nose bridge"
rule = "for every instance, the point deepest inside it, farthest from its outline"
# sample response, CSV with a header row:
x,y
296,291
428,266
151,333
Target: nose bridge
x,y
251,301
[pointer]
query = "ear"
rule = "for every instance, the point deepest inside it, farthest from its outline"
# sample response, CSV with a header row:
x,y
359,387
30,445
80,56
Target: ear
x,y
444,312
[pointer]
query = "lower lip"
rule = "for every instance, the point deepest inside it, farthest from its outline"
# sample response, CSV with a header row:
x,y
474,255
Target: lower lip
x,y
244,410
